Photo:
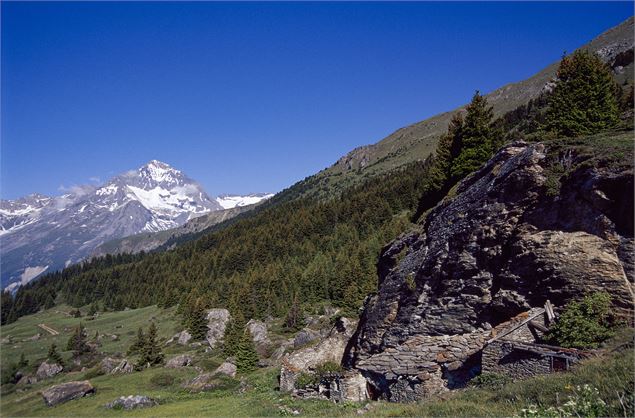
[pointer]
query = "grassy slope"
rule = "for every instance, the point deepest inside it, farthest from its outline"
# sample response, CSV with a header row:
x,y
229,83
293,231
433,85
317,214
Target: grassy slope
x,y
124,324
255,394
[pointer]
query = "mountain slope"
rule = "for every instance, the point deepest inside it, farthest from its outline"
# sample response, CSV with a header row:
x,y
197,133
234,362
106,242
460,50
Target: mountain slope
x,y
149,241
418,141
44,234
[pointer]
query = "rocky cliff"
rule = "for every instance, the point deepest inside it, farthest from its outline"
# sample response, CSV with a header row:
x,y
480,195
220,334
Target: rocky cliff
x,y
538,221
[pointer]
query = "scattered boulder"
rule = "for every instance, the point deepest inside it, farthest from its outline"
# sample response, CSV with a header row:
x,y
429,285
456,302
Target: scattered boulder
x,y
259,335
34,338
217,320
124,367
47,370
226,368
26,380
184,337
305,337
202,382
67,391
131,402
109,364
179,361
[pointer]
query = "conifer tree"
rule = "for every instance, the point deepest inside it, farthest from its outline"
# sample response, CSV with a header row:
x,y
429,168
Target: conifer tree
x,y
23,361
583,101
475,142
197,320
77,341
138,343
246,354
54,356
294,320
233,333
150,352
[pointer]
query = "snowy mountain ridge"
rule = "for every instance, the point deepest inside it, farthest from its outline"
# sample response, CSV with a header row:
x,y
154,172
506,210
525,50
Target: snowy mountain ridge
x,y
41,234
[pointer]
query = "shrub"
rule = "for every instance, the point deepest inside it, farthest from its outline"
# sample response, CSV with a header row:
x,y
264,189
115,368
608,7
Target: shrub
x,y
94,372
162,380
490,380
584,324
306,380
584,402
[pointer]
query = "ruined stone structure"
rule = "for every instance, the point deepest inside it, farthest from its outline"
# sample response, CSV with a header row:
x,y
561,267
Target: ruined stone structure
x,y
520,360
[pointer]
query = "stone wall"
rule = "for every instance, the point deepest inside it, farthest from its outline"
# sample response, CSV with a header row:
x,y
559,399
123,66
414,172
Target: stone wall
x,y
502,357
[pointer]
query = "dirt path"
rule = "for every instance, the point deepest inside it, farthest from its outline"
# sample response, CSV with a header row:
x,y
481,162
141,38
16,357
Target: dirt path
x,y
48,329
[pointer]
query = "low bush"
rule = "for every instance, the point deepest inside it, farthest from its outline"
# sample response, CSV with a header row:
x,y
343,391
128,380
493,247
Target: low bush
x,y
162,380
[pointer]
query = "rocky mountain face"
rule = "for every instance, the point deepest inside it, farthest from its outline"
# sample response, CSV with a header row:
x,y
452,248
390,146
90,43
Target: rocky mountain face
x,y
42,233
150,241
512,236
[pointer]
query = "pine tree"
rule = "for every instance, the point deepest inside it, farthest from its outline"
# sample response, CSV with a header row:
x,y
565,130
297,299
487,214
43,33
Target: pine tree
x,y
583,101
150,352
233,334
54,356
246,354
138,343
294,320
23,361
92,310
475,141
197,320
77,341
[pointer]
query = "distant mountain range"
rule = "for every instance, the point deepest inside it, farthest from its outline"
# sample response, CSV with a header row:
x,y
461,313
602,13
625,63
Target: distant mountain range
x,y
41,233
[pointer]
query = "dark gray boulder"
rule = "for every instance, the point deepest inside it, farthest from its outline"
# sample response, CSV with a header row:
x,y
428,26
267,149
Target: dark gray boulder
x,y
66,392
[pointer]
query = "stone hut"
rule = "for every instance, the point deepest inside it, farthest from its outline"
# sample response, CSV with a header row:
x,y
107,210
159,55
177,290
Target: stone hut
x,y
517,353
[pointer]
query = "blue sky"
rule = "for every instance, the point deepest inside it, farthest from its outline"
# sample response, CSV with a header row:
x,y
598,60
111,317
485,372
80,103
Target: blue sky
x,y
247,97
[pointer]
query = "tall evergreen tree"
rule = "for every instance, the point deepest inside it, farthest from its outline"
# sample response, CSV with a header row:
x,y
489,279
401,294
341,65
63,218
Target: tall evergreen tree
x,y
54,356
138,344
233,333
294,319
151,352
246,354
77,341
475,141
196,319
583,101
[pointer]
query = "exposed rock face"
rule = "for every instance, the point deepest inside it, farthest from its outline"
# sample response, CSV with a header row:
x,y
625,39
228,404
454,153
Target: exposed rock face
x,y
47,370
131,402
217,320
66,392
501,246
330,349
179,361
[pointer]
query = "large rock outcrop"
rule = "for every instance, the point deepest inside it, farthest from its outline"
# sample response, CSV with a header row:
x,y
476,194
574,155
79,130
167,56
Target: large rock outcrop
x,y
503,244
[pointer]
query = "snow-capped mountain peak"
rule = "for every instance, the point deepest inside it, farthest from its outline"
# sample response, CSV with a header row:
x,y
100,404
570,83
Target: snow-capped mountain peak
x,y
42,233
160,172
